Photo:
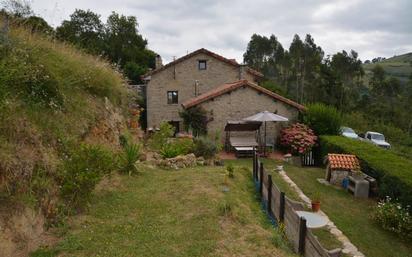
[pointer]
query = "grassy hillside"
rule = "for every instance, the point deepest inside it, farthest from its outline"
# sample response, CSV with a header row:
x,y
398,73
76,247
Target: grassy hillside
x,y
52,99
398,66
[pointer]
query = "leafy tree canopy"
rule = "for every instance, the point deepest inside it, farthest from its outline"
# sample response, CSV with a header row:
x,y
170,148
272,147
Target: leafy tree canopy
x,y
118,40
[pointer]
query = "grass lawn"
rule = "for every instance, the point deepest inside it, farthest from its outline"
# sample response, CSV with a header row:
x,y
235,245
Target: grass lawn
x,y
350,215
173,213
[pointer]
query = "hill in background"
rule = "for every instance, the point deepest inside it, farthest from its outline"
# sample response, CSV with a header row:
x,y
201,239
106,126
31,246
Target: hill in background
x,y
399,67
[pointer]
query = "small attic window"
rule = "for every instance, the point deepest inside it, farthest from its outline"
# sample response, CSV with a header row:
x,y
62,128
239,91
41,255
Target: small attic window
x,y
202,65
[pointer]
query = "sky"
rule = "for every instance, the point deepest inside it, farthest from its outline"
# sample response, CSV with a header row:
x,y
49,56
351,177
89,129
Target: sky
x,y
174,28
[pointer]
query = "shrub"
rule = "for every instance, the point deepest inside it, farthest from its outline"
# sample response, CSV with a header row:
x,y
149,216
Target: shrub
x,y
169,150
225,208
393,217
159,138
195,118
180,146
297,138
323,119
125,139
129,157
81,172
393,172
230,170
205,147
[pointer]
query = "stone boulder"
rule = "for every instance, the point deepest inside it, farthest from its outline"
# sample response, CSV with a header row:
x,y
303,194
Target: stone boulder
x,y
179,162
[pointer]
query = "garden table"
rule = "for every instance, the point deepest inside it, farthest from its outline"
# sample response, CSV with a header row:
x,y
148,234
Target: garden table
x,y
313,220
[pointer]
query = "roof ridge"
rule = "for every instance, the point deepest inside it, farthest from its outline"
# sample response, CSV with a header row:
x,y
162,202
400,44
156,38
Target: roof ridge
x,y
208,52
227,87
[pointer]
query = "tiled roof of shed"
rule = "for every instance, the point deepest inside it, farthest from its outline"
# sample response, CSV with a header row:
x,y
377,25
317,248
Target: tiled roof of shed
x,y
343,161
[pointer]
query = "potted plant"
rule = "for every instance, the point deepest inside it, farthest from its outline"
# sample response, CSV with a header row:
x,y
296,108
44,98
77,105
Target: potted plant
x,y
316,202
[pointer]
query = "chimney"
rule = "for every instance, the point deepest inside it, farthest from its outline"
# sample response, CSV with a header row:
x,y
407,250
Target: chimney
x,y
158,62
242,70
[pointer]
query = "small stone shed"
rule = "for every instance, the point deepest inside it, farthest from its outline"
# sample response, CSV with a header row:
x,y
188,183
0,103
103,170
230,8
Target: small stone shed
x,y
339,166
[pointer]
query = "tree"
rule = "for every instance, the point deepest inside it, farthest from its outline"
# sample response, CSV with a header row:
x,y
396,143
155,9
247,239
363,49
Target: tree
x,y
349,72
38,25
296,52
17,8
133,71
377,81
122,40
312,59
195,119
118,40
84,29
264,54
273,86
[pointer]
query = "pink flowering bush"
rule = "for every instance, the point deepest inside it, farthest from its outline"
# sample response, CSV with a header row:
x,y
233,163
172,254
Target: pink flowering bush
x,y
298,138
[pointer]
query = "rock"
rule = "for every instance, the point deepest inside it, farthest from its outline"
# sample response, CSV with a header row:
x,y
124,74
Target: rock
x,y
143,157
179,162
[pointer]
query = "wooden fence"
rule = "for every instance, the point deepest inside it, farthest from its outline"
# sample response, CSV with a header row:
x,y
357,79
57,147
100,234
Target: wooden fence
x,y
283,210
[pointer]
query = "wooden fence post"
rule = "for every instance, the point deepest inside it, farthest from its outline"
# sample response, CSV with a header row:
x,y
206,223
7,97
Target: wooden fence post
x,y
282,207
270,183
254,163
261,179
302,235
256,166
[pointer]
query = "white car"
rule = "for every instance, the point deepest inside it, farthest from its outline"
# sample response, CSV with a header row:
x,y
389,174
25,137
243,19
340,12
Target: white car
x,y
377,139
348,132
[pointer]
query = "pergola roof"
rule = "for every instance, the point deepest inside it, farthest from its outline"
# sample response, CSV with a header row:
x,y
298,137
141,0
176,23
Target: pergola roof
x,y
242,125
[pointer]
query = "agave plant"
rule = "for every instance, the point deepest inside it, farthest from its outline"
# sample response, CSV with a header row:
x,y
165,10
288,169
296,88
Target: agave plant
x,y
129,158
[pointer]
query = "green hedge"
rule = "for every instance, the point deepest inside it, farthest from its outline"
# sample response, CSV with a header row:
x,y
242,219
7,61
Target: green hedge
x,y
393,172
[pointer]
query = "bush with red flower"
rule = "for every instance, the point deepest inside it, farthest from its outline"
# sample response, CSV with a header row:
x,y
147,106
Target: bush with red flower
x,y
298,138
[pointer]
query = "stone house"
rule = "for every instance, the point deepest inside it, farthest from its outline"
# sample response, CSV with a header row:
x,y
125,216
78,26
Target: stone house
x,y
225,89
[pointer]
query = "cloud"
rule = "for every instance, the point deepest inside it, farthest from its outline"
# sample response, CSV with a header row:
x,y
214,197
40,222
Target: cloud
x,y
175,27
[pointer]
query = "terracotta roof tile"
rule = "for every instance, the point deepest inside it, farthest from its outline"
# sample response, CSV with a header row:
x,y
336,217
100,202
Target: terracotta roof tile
x,y
228,87
343,161
207,52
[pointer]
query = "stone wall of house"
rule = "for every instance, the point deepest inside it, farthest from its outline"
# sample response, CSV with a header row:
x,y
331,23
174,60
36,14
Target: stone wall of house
x,y
245,102
182,78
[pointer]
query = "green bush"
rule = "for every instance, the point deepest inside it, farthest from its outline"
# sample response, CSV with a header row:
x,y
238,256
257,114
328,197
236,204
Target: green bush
x,y
129,157
393,172
230,170
81,172
180,146
195,119
323,119
125,139
205,147
357,121
159,138
169,151
393,217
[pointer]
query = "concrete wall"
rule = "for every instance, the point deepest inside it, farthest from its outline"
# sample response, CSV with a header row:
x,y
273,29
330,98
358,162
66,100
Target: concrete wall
x,y
186,73
245,102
